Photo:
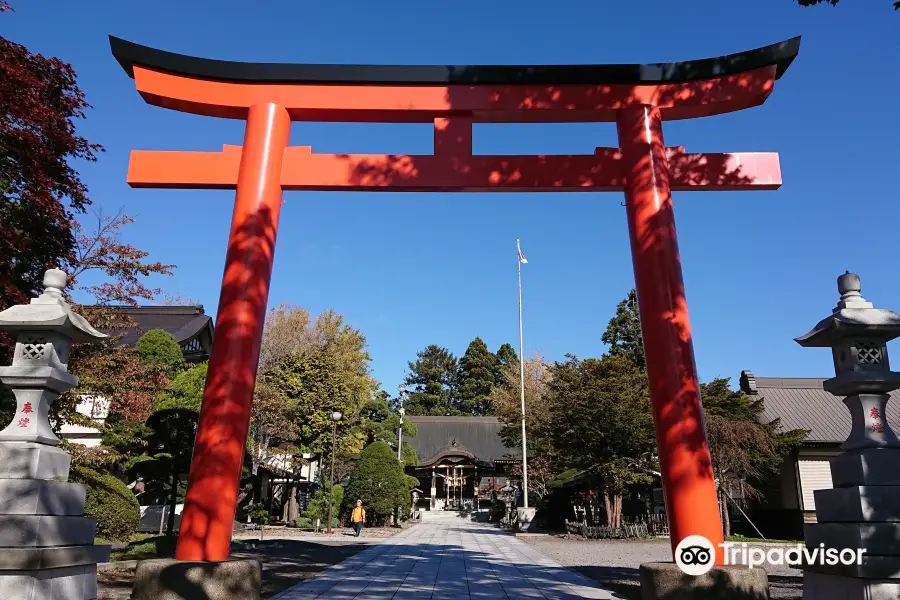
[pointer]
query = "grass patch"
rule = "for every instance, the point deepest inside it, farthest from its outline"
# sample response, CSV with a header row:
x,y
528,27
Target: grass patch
x,y
144,546
750,540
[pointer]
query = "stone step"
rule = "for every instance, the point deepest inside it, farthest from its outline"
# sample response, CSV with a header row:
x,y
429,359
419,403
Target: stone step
x,y
824,586
872,567
46,530
37,497
33,461
876,538
69,582
32,559
876,466
861,503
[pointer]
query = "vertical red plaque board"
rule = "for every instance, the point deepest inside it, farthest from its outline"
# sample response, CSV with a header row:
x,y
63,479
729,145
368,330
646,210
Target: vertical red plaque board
x,y
638,98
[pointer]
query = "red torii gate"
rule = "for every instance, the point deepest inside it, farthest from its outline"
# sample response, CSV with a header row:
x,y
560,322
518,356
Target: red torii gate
x,y
269,96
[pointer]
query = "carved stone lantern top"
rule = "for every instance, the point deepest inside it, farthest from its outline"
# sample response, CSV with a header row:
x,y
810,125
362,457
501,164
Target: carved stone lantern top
x,y
852,317
49,312
857,334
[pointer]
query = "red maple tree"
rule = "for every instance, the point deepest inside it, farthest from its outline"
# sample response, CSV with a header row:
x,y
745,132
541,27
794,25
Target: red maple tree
x,y
40,192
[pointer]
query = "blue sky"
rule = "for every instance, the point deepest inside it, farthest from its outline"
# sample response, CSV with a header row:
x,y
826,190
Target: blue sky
x,y
415,269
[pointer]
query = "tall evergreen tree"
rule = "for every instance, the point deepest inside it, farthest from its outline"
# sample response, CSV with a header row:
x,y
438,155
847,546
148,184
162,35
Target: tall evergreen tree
x,y
475,379
506,356
623,333
434,376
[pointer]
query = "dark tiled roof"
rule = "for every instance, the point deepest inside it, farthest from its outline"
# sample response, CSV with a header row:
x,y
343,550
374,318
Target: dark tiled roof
x,y
801,403
183,322
479,436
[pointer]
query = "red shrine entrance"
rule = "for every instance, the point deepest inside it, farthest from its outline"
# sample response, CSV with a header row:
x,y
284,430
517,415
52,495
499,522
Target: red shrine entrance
x,y
269,96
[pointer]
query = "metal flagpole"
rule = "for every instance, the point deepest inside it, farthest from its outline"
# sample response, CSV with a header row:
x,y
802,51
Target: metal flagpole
x,y
522,379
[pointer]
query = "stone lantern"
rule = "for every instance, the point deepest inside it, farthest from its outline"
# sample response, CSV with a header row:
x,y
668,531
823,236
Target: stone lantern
x,y
48,543
862,511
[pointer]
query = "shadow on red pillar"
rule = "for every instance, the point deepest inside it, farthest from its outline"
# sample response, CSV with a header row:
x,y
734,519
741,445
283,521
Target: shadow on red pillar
x,y
685,464
209,506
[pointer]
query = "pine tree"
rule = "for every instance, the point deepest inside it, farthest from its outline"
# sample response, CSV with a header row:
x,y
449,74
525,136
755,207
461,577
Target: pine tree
x,y
623,333
434,376
506,356
475,379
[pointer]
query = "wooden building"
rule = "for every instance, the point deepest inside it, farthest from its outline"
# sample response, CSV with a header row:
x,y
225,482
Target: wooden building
x,y
801,403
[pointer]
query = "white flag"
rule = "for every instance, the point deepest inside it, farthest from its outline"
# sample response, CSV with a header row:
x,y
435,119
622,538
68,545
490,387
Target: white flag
x,y
522,258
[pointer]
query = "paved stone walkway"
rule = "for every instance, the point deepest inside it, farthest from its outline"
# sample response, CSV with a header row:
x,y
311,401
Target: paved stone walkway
x,y
448,559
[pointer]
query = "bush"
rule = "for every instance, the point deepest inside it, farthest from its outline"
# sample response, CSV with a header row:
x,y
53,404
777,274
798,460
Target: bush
x,y
110,502
259,513
379,481
184,391
318,506
307,523
158,347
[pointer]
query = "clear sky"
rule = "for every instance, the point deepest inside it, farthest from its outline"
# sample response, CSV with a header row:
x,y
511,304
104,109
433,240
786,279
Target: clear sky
x,y
416,269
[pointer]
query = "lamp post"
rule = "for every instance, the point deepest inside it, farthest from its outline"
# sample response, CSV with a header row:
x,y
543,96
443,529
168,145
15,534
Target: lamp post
x,y
335,417
403,397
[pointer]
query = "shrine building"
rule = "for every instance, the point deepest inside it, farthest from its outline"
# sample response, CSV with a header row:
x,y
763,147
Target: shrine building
x,y
463,463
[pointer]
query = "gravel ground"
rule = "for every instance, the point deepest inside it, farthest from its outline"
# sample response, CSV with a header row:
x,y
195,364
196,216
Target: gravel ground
x,y
615,563
286,560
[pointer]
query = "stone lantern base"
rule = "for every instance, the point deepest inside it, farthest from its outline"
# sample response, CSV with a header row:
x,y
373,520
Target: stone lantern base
x,y
861,512
48,550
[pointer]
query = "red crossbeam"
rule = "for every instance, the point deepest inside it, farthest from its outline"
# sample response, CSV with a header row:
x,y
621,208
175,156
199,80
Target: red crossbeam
x,y
599,172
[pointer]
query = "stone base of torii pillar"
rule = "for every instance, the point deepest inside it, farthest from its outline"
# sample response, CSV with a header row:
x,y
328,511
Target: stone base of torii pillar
x,y
47,549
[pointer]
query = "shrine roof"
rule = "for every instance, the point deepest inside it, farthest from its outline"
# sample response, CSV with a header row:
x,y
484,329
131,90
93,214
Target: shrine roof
x,y
478,436
129,55
183,322
802,403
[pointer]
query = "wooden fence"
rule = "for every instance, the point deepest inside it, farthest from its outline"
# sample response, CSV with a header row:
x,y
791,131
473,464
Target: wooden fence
x,y
641,527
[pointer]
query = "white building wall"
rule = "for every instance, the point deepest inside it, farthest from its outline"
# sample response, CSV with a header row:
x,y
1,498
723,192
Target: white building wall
x,y
92,407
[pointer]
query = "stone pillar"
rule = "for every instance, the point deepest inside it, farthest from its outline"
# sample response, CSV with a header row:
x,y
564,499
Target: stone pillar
x,y
433,488
862,511
48,550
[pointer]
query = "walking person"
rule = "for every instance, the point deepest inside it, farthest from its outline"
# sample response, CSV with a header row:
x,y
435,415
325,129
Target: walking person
x,y
358,517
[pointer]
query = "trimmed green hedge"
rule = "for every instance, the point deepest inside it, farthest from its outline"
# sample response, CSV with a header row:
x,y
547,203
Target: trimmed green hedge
x,y
110,502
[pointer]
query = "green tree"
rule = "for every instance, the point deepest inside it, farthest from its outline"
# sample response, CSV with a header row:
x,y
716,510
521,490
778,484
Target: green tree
x,y
313,388
159,347
744,446
185,390
475,379
379,422
623,332
378,480
600,418
434,376
506,356
170,446
318,505
171,431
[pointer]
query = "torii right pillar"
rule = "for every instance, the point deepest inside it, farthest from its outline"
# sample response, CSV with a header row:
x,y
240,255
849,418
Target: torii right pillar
x,y
689,489
685,464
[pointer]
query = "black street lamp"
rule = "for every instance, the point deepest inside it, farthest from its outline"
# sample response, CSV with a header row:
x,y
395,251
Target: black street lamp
x,y
335,417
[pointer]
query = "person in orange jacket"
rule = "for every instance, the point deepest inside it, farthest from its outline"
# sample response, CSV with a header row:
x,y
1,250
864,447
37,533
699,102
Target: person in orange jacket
x,y
358,517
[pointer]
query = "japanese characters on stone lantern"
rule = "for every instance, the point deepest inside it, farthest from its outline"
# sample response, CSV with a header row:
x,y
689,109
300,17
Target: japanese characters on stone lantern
x,y
857,334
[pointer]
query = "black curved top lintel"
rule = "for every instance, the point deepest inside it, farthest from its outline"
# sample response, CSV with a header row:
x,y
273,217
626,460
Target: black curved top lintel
x,y
130,54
